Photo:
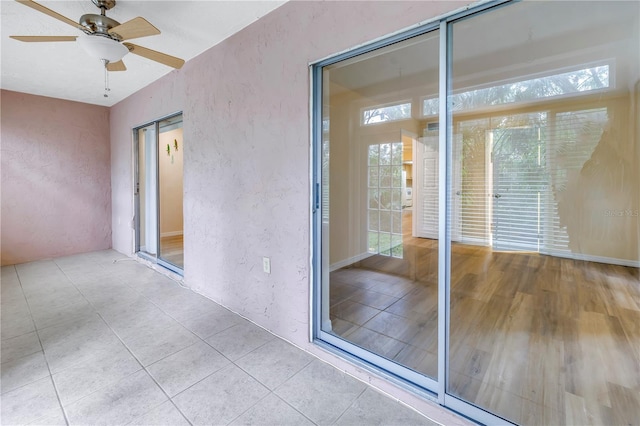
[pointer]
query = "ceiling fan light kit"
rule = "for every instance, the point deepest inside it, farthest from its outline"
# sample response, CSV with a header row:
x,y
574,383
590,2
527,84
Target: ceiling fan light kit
x,y
103,37
103,48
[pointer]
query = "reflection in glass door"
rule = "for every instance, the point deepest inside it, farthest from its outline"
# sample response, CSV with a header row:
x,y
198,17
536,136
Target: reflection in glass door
x,y
159,192
380,279
543,292
514,294
518,182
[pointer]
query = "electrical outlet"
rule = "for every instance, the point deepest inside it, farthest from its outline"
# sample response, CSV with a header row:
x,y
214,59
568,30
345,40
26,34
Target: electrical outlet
x,y
266,265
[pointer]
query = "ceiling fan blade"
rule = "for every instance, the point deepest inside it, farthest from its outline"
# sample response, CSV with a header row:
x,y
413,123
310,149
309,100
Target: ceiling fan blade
x,y
135,28
116,66
163,58
40,8
31,39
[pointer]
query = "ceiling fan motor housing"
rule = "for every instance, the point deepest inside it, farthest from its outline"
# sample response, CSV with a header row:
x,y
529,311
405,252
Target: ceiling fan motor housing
x,y
98,24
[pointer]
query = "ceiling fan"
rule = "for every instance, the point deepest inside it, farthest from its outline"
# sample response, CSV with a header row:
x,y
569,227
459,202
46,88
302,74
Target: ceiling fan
x,y
104,37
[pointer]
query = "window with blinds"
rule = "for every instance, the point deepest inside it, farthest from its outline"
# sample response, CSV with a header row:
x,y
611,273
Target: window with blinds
x,y
516,174
472,148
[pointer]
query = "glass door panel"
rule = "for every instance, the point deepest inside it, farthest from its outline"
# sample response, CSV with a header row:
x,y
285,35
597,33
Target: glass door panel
x,y
539,278
159,192
147,190
543,279
380,275
170,193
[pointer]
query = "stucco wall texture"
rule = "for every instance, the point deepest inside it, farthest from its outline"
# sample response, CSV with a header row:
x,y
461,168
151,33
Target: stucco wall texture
x,y
56,193
247,159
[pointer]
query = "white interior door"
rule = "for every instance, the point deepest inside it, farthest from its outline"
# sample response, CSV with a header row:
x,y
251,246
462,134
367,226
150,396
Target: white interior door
x,y
425,219
425,191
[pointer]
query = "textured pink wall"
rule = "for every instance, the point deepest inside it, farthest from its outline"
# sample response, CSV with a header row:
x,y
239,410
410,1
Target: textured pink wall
x,y
246,157
159,99
55,178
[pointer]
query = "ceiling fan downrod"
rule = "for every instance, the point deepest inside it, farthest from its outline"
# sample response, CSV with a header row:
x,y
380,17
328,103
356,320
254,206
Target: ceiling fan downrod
x,y
104,5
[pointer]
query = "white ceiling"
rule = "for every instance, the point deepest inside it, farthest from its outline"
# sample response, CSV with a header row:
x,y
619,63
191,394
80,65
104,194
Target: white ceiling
x,y
63,70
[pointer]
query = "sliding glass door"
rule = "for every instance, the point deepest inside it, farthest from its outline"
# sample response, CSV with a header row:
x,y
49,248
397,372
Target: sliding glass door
x,y
540,316
159,192
477,197
377,299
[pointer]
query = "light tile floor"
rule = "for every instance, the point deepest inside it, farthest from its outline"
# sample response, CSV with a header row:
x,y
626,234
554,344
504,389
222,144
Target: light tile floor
x,y
99,338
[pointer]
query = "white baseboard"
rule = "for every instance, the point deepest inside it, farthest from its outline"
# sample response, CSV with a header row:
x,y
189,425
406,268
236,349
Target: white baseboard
x,y
568,255
171,234
597,259
349,261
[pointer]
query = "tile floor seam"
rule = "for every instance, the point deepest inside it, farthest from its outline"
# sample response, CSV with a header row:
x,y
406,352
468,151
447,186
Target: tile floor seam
x,y
231,362
113,383
256,348
339,371
257,402
281,384
24,296
246,372
171,354
294,408
162,310
271,392
208,375
209,336
53,383
98,313
148,373
384,334
350,405
133,421
109,275
189,289
28,383
27,354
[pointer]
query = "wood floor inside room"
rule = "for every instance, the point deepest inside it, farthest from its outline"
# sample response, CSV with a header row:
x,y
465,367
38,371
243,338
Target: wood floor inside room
x,y
535,339
172,250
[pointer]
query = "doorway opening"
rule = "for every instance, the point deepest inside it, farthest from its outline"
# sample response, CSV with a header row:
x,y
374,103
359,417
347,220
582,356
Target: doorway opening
x,y
159,192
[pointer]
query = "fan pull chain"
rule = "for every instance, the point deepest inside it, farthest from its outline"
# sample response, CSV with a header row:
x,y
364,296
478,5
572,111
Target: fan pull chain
x,y
106,79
